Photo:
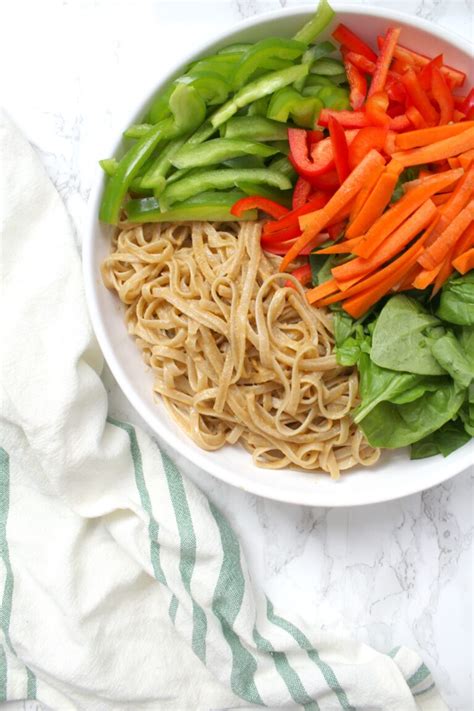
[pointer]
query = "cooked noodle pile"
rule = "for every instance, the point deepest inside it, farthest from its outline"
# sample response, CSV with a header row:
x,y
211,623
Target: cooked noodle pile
x,y
236,355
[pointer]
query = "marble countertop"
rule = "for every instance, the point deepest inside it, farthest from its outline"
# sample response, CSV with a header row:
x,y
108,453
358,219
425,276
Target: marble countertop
x,y
396,573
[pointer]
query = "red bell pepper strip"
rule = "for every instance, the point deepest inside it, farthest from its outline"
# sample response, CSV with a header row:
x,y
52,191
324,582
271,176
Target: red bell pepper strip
x,y
468,103
359,119
400,124
442,95
376,109
425,75
303,274
316,202
282,247
345,36
274,238
395,90
395,108
415,117
407,56
299,155
419,98
339,147
314,137
322,153
256,201
301,193
366,139
357,82
384,60
328,182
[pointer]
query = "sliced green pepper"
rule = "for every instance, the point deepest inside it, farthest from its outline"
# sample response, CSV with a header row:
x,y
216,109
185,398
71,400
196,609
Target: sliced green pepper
x,y
317,24
211,86
281,146
217,150
267,49
303,110
283,197
220,180
283,165
223,64
259,107
203,133
137,130
237,48
244,162
128,168
188,108
264,86
155,176
334,98
159,108
255,128
109,165
322,49
210,206
327,67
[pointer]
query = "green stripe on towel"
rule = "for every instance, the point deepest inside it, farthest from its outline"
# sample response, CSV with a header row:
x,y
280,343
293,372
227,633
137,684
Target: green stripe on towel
x,y
3,674
187,559
420,675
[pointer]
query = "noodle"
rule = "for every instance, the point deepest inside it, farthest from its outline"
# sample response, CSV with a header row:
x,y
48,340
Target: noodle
x,y
237,356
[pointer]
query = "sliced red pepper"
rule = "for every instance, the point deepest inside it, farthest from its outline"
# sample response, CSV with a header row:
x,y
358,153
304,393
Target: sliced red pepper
x,y
303,274
419,98
359,119
367,139
376,109
256,201
345,36
442,95
415,117
408,56
314,137
322,153
283,247
299,155
335,230
357,82
425,75
328,182
340,148
316,202
395,109
274,238
468,103
301,193
400,124
384,60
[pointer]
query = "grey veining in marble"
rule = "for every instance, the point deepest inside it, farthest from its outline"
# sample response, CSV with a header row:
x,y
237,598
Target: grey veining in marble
x,y
397,573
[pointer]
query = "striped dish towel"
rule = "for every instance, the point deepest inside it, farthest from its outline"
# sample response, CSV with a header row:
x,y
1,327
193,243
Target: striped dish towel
x,y
122,586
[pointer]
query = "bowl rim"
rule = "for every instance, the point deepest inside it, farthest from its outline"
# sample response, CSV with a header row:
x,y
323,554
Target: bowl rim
x,y
199,458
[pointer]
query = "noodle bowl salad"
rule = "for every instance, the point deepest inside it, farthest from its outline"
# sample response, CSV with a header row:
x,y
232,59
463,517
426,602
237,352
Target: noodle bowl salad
x,y
294,248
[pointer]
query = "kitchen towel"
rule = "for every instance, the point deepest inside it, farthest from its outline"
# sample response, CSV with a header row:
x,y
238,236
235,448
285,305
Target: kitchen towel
x,y
122,586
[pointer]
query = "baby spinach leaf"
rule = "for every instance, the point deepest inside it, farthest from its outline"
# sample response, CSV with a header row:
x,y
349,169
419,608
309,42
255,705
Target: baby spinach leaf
x,y
389,425
457,300
455,355
447,439
400,342
466,413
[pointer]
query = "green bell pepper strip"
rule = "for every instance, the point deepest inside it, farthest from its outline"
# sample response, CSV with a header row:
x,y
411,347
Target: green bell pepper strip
x,y
238,47
255,128
283,197
188,108
211,86
204,132
137,130
267,49
220,180
283,165
281,147
264,86
210,206
128,168
317,80
322,49
244,162
217,150
159,108
334,98
317,24
222,64
327,67
259,107
303,110
109,166
155,176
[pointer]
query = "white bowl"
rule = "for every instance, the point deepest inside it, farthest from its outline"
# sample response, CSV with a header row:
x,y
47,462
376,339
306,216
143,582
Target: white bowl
x,y
395,475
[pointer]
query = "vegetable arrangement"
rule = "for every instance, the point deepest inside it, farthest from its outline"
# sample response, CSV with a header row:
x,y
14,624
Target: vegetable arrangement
x,y
363,158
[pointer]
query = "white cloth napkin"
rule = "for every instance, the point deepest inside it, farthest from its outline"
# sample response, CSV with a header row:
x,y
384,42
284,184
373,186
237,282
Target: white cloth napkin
x,y
122,586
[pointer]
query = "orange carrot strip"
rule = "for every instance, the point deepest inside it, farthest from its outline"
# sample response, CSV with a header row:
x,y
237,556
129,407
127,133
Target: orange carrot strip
x,y
441,199
466,159
448,147
454,162
360,303
376,202
410,202
445,271
427,136
316,221
321,291
390,274
436,252
426,277
459,198
398,240
465,242
364,193
407,281
343,247
465,262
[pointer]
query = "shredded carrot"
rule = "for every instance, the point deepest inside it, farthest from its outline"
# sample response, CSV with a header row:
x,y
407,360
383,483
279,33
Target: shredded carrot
x,y
454,162
316,221
436,252
466,159
415,117
321,291
465,262
376,202
426,277
445,270
407,281
398,240
459,198
342,247
427,136
424,173
410,202
441,198
364,193
446,148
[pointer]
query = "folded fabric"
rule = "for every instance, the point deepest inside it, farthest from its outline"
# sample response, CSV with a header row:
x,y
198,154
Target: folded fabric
x,y
123,586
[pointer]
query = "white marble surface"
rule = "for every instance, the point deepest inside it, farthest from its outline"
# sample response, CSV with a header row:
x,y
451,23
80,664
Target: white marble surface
x,y
397,573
